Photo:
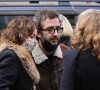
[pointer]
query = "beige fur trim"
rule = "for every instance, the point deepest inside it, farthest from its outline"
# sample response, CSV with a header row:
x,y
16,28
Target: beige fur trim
x,y
25,58
58,53
40,57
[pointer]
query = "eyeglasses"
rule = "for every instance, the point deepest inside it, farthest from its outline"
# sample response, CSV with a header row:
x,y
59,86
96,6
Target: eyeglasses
x,y
51,30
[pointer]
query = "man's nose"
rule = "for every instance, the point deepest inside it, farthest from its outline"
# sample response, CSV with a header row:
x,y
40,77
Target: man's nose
x,y
56,33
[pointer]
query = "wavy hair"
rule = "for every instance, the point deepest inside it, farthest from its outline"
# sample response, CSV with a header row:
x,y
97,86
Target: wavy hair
x,y
18,30
87,32
67,28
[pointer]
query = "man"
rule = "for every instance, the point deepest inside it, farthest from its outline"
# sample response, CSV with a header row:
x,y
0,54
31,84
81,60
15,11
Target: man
x,y
48,54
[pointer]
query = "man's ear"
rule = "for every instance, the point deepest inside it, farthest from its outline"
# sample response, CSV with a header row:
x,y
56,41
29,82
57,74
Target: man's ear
x,y
38,31
38,34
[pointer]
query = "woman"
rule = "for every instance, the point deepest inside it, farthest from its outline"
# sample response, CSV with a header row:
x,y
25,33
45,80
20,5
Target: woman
x,y
67,33
17,68
82,63
30,42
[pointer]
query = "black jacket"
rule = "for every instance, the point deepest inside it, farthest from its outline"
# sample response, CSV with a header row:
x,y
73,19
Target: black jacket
x,y
81,72
16,72
12,74
65,41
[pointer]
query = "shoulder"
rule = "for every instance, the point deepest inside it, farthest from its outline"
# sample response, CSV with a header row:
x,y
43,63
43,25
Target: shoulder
x,y
9,54
8,59
72,53
86,56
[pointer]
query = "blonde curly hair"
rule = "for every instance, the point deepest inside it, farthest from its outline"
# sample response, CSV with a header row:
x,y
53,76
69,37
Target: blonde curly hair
x,y
87,32
67,28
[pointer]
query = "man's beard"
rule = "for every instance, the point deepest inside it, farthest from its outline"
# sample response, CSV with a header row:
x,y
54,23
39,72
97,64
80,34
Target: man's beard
x,y
48,46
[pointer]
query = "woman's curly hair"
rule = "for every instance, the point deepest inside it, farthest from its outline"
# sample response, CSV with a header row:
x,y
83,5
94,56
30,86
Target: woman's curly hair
x,y
18,30
87,32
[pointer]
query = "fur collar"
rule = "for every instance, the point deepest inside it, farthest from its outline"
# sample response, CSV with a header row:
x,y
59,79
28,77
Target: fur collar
x,y
25,59
40,57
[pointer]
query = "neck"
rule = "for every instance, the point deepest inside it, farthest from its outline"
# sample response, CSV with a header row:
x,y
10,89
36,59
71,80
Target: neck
x,y
45,51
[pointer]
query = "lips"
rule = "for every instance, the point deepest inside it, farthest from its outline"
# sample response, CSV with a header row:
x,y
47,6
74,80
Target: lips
x,y
54,38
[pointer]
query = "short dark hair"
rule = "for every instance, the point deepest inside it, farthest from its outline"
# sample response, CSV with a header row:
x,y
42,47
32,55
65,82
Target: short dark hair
x,y
42,15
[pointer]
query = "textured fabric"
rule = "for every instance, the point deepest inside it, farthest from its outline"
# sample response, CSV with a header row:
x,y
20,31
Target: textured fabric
x,y
17,68
12,75
29,44
40,57
50,70
82,72
67,82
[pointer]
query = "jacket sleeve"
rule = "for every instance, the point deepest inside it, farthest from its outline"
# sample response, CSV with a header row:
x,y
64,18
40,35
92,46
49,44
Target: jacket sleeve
x,y
68,77
8,69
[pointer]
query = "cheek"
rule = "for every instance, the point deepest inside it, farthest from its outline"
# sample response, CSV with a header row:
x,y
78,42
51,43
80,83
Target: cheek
x,y
58,37
47,37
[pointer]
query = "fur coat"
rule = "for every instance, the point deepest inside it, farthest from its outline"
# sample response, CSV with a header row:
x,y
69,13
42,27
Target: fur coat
x,y
25,58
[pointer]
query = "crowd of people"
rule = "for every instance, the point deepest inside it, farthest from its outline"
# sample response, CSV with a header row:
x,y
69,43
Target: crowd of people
x,y
46,53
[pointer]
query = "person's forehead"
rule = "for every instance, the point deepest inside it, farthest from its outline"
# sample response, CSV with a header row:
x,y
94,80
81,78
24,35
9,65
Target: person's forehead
x,y
51,22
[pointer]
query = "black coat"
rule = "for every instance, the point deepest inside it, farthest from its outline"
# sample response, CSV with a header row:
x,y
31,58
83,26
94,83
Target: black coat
x,y
81,72
12,74
65,41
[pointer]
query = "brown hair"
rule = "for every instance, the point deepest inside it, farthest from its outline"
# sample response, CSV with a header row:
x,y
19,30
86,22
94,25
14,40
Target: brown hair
x,y
18,30
87,33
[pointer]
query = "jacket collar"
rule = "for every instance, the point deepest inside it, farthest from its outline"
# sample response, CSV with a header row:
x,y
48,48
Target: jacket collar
x,y
40,57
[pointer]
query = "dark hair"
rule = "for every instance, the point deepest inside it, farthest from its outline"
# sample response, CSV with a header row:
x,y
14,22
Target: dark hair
x,y
18,30
43,15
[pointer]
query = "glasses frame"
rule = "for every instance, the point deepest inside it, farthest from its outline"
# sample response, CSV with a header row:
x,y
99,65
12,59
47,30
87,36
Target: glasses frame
x,y
53,30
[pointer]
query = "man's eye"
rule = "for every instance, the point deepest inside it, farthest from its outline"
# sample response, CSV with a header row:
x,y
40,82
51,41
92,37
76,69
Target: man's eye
x,y
58,28
50,29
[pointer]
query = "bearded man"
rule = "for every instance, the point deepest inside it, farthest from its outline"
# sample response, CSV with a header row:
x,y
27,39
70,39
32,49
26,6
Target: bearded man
x,y
48,53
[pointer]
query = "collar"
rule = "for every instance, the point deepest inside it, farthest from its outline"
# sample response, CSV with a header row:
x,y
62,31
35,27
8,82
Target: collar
x,y
40,57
